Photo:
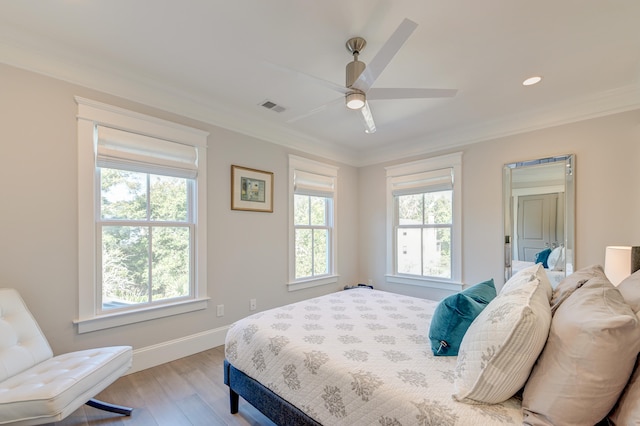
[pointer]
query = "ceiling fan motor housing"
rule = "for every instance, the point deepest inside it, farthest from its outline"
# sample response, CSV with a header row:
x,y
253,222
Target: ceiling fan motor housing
x,y
354,69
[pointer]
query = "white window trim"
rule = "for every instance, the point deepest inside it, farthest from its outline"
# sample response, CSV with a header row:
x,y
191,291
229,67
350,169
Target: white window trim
x,y
90,114
453,161
311,166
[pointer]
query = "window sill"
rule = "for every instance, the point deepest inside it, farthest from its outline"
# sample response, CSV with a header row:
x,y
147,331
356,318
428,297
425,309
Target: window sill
x,y
313,282
426,282
118,319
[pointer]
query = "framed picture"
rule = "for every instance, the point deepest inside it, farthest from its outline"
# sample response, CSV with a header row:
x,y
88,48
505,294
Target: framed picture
x,y
251,189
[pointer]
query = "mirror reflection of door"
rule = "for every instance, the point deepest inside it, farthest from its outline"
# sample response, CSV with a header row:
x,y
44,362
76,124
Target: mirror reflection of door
x,y
540,224
539,209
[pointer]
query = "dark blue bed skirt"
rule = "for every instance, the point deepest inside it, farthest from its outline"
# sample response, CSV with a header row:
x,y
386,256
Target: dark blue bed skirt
x,y
268,403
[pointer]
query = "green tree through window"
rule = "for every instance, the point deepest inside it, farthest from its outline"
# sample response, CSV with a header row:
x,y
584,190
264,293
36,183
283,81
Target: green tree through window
x,y
312,230
146,238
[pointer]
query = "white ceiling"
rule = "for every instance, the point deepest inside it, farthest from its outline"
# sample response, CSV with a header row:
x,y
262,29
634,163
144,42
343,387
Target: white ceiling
x,y
218,60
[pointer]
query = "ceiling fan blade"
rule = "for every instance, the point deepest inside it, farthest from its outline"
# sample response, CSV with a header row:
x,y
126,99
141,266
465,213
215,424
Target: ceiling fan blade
x,y
314,111
377,93
310,78
367,118
384,56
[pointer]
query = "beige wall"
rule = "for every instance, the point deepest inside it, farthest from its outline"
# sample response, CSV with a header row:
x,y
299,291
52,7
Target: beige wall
x,y
38,219
607,153
38,214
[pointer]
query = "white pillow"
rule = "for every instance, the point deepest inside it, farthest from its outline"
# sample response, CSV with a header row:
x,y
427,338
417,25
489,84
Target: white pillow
x,y
589,356
502,344
525,275
555,261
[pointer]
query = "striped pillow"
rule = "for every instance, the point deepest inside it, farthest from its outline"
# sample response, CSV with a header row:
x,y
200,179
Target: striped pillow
x,y
502,344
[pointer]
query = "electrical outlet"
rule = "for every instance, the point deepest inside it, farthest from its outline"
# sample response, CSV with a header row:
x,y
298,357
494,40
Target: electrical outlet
x,y
220,310
252,304
370,281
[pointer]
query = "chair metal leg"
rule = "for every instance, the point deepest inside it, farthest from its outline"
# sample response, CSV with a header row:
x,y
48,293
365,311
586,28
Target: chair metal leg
x,y
112,408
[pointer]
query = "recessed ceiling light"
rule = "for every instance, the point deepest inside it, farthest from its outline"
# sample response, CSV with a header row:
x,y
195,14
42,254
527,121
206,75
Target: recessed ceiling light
x,y
532,80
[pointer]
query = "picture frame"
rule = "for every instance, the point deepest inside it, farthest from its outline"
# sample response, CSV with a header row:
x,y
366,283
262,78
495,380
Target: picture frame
x,y
251,189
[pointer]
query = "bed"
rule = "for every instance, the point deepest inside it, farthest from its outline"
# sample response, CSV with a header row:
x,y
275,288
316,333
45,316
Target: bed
x,y
354,357
362,357
554,261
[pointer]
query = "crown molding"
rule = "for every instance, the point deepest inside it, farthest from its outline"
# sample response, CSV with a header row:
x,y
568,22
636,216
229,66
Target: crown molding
x,y
34,56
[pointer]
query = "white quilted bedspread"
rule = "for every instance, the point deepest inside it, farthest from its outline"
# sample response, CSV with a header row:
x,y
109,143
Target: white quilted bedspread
x,y
357,357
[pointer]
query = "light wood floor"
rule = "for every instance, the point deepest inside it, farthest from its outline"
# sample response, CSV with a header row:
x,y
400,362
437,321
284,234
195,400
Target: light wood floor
x,y
188,391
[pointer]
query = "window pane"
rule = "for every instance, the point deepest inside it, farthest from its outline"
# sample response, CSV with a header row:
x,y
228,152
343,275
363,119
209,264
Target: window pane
x,y
437,252
318,208
438,207
123,194
125,266
409,251
410,209
170,266
168,197
301,209
304,250
320,252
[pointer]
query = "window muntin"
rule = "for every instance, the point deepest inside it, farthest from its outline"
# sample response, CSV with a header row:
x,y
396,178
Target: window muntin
x,y
146,239
424,217
313,196
115,138
423,234
312,227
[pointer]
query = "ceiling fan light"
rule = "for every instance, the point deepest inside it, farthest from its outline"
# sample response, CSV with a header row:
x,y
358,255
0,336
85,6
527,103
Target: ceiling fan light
x,y
355,100
532,80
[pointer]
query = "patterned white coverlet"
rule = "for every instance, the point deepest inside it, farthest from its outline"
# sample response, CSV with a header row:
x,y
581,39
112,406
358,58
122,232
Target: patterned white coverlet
x,y
357,357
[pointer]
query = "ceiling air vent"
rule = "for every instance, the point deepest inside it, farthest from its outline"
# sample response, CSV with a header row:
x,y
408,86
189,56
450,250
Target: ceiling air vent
x,y
272,106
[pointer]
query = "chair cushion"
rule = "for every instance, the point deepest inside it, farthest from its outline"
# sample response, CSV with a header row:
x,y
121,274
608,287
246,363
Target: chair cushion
x,y
58,386
22,343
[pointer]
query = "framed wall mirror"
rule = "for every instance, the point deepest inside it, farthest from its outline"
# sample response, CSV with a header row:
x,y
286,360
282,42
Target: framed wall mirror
x,y
539,216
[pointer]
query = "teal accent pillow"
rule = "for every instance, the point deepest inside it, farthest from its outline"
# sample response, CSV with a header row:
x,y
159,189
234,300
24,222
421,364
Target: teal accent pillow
x,y
454,314
542,257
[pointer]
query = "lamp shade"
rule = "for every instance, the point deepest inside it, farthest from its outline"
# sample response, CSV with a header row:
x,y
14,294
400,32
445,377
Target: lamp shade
x,y
620,262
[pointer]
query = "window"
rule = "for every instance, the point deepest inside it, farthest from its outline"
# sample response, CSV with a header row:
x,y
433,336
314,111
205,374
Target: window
x,y
142,217
424,221
313,223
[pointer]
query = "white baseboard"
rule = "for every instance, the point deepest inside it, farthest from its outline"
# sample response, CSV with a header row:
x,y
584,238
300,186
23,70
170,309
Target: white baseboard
x,y
151,356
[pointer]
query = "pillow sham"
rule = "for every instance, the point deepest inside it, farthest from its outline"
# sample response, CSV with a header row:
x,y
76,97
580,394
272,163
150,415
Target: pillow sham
x,y
591,350
502,344
524,276
571,283
627,410
454,314
630,289
555,261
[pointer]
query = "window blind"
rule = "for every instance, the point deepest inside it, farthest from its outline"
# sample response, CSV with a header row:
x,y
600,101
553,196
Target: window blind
x,y
119,149
307,183
435,180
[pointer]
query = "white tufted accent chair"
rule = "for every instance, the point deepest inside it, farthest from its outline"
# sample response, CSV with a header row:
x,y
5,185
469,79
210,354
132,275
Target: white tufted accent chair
x,y
35,386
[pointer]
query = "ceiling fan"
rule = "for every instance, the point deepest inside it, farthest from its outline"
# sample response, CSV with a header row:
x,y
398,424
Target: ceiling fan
x,y
360,77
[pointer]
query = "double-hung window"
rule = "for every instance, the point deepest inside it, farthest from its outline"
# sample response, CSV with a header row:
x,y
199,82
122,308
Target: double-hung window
x,y
313,223
424,222
142,246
